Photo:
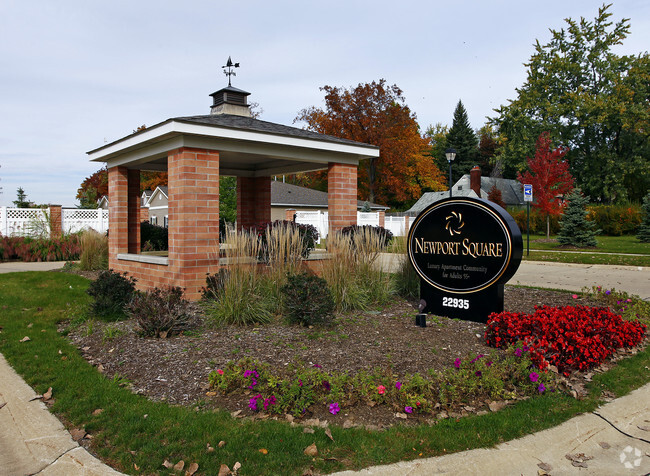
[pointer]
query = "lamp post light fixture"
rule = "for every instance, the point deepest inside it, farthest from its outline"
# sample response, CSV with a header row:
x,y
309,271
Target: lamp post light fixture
x,y
451,155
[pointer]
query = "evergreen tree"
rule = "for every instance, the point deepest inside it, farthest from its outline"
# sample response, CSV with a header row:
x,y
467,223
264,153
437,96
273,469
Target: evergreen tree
x,y
575,229
462,138
21,199
644,230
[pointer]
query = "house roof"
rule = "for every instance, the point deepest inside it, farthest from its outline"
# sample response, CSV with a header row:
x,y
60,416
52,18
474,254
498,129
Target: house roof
x,y
511,190
432,197
289,195
247,147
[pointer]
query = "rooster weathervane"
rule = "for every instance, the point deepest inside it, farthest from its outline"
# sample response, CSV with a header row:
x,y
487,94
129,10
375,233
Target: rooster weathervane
x,y
230,65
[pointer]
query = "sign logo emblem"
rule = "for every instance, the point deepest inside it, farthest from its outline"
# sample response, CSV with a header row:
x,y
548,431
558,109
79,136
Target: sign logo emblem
x,y
454,223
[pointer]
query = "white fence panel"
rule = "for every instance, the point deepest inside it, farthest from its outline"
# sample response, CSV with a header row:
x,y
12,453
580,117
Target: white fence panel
x,y
23,221
316,219
78,219
368,218
395,225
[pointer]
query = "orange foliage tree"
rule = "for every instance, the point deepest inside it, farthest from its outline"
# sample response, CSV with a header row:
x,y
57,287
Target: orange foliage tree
x,y
376,114
550,177
95,186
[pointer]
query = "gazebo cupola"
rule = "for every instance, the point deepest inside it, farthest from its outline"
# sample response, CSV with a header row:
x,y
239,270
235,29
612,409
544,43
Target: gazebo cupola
x,y
230,100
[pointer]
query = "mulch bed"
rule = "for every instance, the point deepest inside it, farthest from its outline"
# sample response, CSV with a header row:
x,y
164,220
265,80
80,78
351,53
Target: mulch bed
x,y
176,369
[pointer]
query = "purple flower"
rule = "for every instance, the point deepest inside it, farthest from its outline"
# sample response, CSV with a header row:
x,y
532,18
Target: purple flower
x,y
533,376
477,357
488,363
608,292
518,352
299,383
326,385
252,403
334,408
253,375
269,401
408,409
398,385
317,366
541,388
479,373
457,363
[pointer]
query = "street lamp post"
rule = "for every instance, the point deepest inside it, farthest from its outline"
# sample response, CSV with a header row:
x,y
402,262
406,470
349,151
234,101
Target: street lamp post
x,y
451,155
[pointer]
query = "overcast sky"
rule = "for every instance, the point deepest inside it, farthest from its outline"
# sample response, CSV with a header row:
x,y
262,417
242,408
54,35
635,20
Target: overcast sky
x,y
77,74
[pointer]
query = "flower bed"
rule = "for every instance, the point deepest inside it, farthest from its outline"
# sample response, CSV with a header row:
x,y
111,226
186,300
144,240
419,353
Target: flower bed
x,y
570,338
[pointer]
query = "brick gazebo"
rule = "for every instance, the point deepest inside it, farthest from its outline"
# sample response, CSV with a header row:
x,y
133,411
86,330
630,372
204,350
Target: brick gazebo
x,y
195,151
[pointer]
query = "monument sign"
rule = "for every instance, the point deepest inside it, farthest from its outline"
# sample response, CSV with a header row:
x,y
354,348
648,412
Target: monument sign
x,y
464,250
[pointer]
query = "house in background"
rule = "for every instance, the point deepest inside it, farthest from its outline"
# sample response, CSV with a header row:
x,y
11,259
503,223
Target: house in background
x,y
476,186
158,205
286,196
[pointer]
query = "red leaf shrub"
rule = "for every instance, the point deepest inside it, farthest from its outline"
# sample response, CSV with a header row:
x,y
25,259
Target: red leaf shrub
x,y
570,338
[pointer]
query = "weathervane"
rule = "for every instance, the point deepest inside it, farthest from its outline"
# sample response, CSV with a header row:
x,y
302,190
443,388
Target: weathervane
x,y
230,65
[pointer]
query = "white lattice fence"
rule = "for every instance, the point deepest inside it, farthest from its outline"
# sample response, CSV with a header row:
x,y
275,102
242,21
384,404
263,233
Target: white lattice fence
x,y
317,219
23,221
77,219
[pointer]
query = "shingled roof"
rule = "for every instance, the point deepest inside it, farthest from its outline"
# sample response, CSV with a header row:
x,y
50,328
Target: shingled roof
x,y
288,195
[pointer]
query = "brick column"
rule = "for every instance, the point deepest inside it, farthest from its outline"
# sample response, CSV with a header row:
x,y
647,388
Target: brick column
x,y
341,195
118,236
134,210
144,214
253,201
290,214
193,217
382,218
56,221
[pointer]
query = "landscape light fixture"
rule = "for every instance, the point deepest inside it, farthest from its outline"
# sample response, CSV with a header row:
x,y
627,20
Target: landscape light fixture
x,y
451,155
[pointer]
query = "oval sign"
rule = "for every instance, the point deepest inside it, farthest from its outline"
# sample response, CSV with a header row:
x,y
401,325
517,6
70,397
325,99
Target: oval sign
x,y
464,245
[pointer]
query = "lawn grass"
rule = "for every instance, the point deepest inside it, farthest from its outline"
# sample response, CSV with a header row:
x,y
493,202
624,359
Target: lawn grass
x,y
606,244
133,431
588,258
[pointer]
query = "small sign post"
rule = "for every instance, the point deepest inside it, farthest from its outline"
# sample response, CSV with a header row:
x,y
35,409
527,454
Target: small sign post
x,y
528,197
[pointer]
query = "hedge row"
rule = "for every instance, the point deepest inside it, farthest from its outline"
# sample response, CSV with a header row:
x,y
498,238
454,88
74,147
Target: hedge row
x,y
613,220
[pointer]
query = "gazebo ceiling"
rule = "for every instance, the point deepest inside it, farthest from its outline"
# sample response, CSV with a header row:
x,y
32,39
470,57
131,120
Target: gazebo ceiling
x,y
247,147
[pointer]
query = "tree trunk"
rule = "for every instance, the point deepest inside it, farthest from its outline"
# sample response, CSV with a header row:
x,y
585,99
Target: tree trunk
x,y
548,226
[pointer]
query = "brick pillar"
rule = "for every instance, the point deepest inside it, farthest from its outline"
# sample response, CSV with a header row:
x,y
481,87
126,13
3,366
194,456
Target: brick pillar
x,y
341,195
118,236
407,224
144,213
290,214
56,221
382,218
193,217
134,210
253,201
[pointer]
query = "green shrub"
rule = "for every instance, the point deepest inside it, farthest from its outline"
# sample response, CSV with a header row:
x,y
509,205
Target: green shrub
x,y
615,220
111,292
307,300
153,237
161,312
537,221
94,250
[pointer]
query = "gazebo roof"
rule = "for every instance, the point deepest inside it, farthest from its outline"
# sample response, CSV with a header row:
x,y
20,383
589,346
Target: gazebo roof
x,y
248,147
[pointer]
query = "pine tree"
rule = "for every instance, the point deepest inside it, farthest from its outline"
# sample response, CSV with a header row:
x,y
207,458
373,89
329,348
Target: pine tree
x,y
643,234
575,229
462,138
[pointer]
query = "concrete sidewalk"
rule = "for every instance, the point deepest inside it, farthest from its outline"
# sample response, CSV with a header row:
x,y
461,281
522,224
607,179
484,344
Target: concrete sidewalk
x,y
32,440
607,442
19,266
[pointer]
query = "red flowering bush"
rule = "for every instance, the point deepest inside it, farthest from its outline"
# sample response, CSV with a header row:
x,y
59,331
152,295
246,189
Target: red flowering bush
x,y
571,338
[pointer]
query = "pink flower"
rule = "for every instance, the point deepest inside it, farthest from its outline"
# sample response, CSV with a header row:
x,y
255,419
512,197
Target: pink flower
x,y
381,389
533,377
457,363
574,296
334,408
541,388
398,385
220,372
408,409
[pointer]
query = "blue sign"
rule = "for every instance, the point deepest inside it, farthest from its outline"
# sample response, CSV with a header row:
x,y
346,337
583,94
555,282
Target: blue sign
x,y
528,193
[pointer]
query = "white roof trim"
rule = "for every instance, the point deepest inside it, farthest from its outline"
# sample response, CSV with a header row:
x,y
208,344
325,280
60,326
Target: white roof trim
x,y
168,135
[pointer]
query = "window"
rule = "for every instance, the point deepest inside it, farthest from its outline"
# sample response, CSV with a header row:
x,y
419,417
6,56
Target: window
x,y
153,220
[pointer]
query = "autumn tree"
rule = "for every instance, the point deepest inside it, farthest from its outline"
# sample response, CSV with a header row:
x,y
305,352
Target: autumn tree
x,y
93,188
495,196
151,180
376,113
590,99
550,177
